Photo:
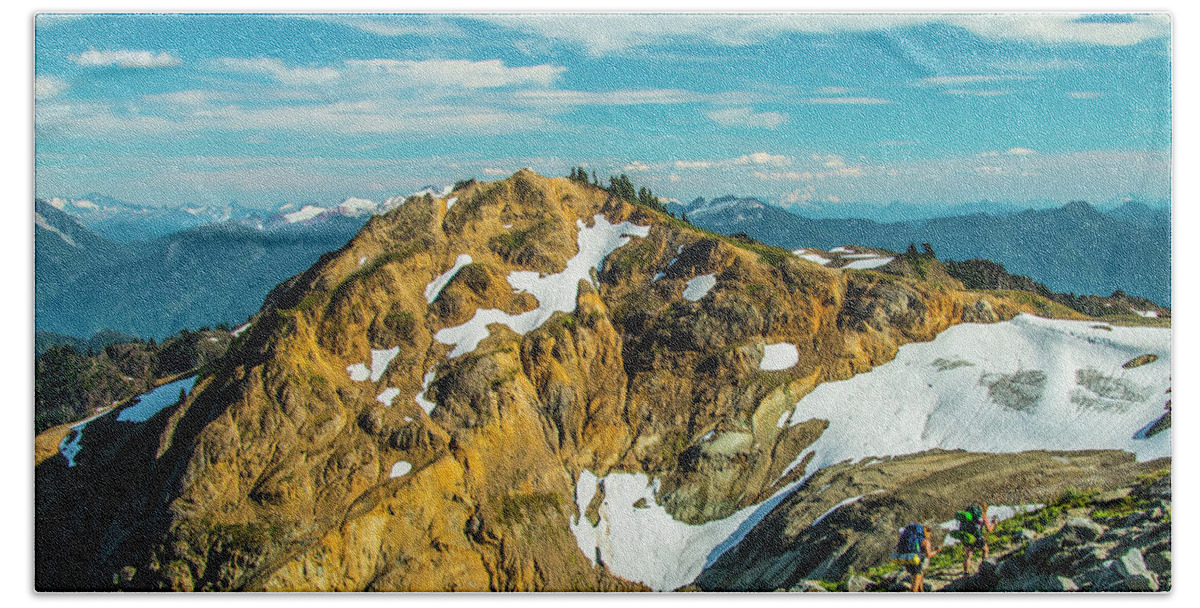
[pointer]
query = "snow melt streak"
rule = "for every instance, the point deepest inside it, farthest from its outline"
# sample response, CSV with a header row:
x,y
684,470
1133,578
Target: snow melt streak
x,y
554,293
426,404
1026,384
434,288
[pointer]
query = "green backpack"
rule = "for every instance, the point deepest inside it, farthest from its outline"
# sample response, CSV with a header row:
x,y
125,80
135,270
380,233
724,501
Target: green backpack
x,y
970,524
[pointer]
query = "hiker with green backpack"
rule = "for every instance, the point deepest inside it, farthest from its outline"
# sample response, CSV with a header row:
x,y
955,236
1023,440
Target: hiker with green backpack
x,y
913,551
973,523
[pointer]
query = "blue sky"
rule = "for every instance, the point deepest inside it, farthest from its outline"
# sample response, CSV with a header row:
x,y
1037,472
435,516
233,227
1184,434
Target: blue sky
x,y
801,110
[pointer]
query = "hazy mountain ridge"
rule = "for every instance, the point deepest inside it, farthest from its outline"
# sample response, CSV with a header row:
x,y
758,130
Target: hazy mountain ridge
x,y
1073,248
209,274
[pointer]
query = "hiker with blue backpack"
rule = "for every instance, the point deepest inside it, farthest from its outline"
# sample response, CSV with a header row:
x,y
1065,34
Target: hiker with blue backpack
x,y
913,551
973,523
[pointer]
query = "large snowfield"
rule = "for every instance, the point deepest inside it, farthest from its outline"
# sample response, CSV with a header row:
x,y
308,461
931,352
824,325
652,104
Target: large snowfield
x,y
1025,384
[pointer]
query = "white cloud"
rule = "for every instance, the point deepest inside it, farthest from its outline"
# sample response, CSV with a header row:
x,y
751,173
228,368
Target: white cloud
x,y
296,76
867,101
622,97
494,171
397,25
977,92
832,91
746,117
602,34
762,158
1083,94
830,161
1015,151
125,59
969,79
751,159
637,165
491,73
45,87
792,175
191,97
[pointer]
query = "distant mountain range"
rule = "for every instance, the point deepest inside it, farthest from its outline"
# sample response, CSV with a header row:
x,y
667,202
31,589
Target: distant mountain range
x,y
1073,248
123,222
102,264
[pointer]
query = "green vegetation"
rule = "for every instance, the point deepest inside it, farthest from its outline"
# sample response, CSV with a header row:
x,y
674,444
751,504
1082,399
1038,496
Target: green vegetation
x,y
988,275
520,246
69,384
516,509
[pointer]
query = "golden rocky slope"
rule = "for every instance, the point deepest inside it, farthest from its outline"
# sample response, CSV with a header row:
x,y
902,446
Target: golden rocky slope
x,y
274,474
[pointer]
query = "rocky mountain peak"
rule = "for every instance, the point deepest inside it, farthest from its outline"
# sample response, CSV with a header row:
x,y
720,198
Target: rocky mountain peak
x,y
449,400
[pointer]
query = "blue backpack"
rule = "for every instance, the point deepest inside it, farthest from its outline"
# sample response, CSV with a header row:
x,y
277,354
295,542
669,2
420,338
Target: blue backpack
x,y
910,540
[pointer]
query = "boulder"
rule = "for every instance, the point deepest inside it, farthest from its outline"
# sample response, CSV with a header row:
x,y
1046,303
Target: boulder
x,y
974,583
989,572
858,584
1159,562
1133,573
1079,531
1099,577
1042,549
1131,563
1037,583
808,587
1013,567
1138,582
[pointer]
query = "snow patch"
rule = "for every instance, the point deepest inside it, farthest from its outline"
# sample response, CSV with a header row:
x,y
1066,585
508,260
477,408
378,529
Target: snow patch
x,y
868,263
45,225
783,419
434,288
400,469
658,276
156,400
779,356
841,250
450,202
354,207
305,213
646,545
1149,314
387,396
1030,386
238,331
362,260
699,287
811,256
380,360
554,293
426,404
358,372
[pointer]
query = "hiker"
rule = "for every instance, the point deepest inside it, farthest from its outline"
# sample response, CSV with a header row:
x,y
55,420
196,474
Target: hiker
x,y
973,523
913,551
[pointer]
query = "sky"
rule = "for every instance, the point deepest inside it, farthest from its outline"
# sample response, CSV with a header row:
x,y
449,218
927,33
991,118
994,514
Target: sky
x,y
803,110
